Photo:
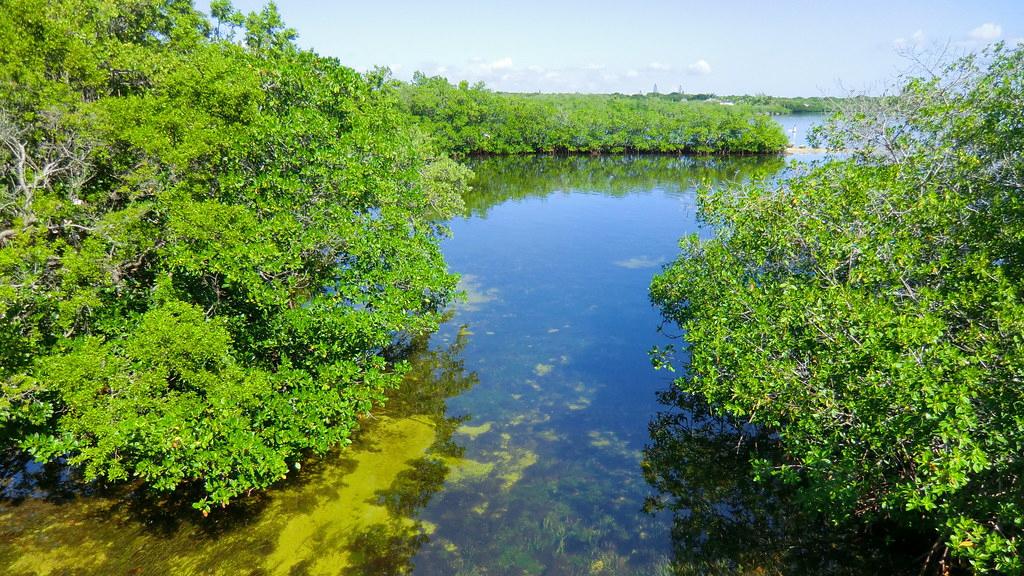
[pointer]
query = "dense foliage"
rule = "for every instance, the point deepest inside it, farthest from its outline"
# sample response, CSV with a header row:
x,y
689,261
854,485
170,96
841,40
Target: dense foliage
x,y
871,312
211,242
789,105
473,120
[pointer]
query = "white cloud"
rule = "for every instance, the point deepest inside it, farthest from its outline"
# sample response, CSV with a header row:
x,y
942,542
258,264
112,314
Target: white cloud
x,y
987,32
502,64
508,74
916,40
699,68
477,68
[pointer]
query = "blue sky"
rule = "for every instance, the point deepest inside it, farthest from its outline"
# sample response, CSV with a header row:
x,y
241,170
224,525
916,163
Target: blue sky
x,y
781,47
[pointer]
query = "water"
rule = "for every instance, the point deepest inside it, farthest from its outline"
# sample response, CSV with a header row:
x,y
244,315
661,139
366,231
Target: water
x,y
529,438
798,126
557,257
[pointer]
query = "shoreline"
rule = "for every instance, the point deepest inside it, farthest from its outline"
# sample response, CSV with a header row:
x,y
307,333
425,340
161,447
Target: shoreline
x,y
790,150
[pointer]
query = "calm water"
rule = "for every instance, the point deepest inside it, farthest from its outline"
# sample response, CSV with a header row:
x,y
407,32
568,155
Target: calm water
x,y
556,258
529,438
798,126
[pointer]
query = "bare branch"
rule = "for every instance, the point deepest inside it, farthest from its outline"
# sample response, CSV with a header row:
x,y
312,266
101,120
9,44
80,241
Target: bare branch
x,y
60,158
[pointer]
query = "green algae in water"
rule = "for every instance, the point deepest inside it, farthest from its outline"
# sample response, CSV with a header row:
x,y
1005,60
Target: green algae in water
x,y
352,512
515,466
325,532
474,431
312,528
599,441
505,464
464,469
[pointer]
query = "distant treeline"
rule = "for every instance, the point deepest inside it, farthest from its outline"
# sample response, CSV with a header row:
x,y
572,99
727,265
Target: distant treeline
x,y
759,102
466,120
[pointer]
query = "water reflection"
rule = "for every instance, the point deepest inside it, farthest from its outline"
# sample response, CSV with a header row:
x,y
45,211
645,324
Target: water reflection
x,y
352,512
798,126
500,179
723,522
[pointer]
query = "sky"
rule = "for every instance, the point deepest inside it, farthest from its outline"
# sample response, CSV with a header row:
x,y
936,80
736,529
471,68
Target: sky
x,y
780,47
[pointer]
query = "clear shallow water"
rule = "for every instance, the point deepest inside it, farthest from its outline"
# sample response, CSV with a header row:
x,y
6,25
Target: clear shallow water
x,y
526,440
557,258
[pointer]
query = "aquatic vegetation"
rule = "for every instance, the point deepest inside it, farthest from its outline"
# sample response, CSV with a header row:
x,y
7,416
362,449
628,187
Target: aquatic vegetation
x,y
532,417
356,508
550,435
514,466
323,534
599,440
474,431
641,262
466,469
580,403
316,526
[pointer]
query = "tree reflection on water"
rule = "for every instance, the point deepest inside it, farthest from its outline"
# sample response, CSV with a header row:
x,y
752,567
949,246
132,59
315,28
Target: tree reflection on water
x,y
725,522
